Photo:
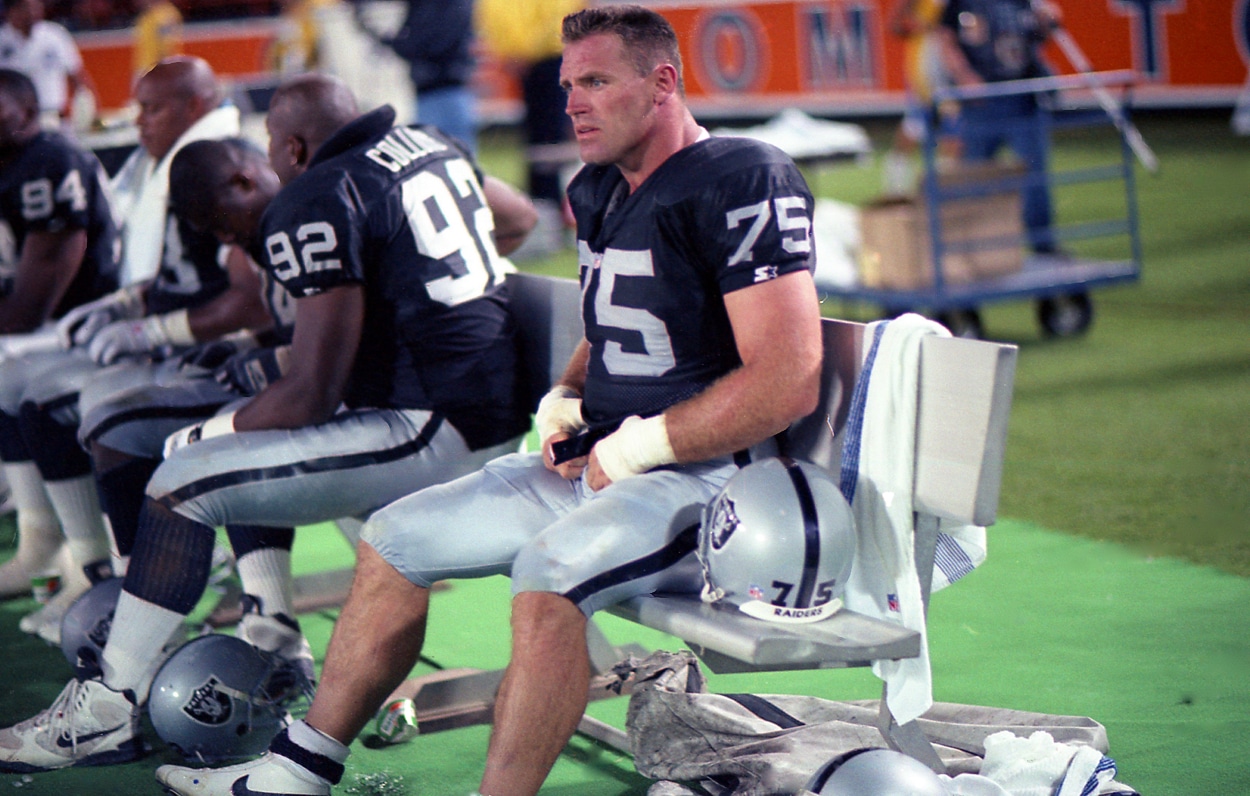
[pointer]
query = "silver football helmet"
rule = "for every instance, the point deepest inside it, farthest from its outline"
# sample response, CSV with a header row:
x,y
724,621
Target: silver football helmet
x,y
219,698
85,626
875,772
778,542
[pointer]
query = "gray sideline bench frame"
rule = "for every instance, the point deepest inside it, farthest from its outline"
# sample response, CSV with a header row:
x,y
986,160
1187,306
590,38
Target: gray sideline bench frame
x,y
964,403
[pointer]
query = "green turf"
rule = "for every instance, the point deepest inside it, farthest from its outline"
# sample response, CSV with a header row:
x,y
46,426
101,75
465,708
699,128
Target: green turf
x,y
1135,433
1157,649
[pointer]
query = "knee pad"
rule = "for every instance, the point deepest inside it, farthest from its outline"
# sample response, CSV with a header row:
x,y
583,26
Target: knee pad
x,y
53,445
121,496
171,560
12,445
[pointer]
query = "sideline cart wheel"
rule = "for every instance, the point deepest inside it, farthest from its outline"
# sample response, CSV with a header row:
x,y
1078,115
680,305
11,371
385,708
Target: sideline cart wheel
x,y
1065,315
963,323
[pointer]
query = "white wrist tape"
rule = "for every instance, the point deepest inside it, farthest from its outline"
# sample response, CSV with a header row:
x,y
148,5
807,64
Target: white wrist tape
x,y
172,328
636,447
560,411
217,425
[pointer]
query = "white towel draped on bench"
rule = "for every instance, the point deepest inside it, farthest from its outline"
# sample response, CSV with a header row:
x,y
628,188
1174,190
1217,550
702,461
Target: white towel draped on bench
x,y
877,478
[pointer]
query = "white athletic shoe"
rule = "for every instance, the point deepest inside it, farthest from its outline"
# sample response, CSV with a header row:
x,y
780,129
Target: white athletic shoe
x,y
46,621
89,724
271,775
279,634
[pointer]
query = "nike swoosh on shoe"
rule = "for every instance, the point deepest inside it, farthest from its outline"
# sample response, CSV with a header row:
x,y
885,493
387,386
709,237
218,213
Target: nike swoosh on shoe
x,y
66,742
240,788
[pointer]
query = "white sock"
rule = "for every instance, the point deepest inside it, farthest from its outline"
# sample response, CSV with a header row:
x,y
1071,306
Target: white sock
x,y
266,573
78,506
38,533
309,737
133,652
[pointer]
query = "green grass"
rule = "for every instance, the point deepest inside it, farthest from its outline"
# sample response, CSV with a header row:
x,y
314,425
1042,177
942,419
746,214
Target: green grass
x,y
1138,431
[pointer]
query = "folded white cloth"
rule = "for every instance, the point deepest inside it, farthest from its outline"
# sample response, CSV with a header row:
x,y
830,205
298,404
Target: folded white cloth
x,y
1035,766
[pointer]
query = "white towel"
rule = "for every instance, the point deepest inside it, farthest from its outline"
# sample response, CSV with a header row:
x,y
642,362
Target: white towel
x,y
140,194
878,479
1035,766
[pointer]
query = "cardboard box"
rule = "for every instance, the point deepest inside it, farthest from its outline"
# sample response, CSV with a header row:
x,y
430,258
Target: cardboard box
x,y
897,253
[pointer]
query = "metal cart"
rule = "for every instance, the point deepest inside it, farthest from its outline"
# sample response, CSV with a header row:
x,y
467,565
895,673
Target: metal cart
x,y
1059,283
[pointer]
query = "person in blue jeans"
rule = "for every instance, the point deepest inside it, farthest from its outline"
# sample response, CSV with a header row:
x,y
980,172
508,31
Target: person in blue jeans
x,y
436,40
991,41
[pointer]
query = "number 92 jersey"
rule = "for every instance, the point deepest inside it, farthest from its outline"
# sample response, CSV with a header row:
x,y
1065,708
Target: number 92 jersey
x,y
401,212
720,215
54,186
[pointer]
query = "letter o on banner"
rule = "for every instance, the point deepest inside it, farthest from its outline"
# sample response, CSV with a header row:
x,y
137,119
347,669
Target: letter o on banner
x,y
731,50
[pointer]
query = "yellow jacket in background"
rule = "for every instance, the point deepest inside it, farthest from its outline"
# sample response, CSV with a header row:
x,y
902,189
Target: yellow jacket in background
x,y
523,30
158,35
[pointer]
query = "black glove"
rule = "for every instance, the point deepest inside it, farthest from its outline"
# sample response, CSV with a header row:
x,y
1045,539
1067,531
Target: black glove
x,y
249,372
213,354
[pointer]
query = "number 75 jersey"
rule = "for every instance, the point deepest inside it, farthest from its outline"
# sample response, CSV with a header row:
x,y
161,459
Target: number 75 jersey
x,y
720,215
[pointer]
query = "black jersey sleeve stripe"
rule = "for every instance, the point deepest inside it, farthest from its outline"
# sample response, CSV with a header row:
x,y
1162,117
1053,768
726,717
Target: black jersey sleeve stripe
x,y
324,464
682,545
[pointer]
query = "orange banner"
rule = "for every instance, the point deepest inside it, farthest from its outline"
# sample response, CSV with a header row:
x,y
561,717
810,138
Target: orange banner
x,y
834,57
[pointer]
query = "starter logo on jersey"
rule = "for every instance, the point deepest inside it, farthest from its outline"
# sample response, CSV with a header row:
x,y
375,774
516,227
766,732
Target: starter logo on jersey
x,y
766,273
209,704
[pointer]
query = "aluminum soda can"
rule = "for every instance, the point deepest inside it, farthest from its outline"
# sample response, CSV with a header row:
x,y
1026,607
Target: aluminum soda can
x,y
45,586
397,721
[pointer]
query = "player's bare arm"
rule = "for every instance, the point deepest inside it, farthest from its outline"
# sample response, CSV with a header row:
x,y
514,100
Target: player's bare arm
x,y
776,328
514,214
327,334
48,264
239,306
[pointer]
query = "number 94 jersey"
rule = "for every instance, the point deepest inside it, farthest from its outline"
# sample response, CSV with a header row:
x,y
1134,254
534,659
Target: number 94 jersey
x,y
720,215
401,212
55,186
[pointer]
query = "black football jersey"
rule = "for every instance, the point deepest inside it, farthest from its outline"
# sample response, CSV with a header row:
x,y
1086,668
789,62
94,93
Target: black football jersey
x,y
53,185
401,211
192,269
718,216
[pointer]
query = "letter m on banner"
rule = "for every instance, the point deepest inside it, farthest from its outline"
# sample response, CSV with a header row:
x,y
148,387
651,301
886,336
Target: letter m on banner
x,y
839,45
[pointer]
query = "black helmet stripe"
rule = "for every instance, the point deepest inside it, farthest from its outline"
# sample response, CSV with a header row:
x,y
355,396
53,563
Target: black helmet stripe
x,y
811,532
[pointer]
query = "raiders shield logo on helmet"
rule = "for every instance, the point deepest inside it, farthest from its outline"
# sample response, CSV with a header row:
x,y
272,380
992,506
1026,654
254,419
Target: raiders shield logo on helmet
x,y
209,704
723,521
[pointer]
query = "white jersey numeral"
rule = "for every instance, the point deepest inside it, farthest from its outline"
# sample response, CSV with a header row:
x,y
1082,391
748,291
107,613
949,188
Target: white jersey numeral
x,y
436,209
657,357
794,226
38,199
316,238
